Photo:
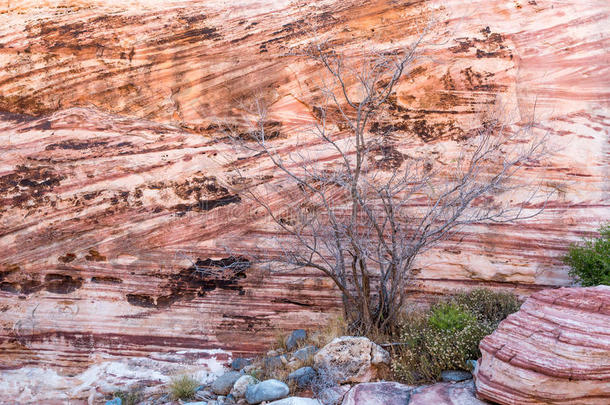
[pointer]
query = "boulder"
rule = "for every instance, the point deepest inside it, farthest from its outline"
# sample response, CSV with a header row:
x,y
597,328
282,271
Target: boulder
x,y
393,393
554,350
223,384
296,401
240,386
268,390
462,393
386,393
305,353
333,395
240,362
455,375
275,361
352,359
294,338
303,376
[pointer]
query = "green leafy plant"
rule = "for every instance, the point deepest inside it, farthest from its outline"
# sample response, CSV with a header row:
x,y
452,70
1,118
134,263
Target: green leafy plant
x,y
448,334
449,317
590,261
487,305
183,387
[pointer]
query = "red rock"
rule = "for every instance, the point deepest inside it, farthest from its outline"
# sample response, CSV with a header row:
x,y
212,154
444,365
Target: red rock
x,y
111,173
554,350
462,393
388,393
392,393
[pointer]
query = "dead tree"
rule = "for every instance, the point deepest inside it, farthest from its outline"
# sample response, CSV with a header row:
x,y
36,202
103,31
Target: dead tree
x,y
360,211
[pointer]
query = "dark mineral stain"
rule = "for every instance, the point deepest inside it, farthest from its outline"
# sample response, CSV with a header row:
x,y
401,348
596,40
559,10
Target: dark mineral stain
x,y
195,281
140,300
95,256
62,284
76,144
27,185
106,280
67,258
386,157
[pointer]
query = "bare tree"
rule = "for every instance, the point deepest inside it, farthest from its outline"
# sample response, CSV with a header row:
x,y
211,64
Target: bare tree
x,y
360,211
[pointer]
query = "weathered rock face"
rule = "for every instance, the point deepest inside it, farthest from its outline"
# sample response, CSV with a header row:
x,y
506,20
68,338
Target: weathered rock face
x,y
555,350
111,196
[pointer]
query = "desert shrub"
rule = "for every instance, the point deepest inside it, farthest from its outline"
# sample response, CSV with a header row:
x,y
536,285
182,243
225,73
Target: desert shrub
x,y
183,387
590,261
335,327
448,334
487,305
449,317
131,397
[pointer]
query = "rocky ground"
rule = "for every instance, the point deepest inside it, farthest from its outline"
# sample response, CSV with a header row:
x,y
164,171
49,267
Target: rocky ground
x,y
554,350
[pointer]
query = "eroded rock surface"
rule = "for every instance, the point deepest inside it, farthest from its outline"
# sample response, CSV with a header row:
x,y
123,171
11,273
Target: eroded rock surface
x,y
114,178
554,350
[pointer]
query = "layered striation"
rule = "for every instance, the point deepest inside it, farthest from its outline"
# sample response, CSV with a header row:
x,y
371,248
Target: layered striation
x,y
117,219
555,350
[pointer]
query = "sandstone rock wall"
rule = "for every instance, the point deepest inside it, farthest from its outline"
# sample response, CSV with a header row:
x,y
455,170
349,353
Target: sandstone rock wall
x,y
555,350
112,175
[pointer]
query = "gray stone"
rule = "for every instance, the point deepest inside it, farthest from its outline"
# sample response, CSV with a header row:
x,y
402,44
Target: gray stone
x,y
268,390
196,403
473,364
114,401
242,383
294,338
455,375
274,361
296,401
223,384
240,362
302,376
204,395
305,353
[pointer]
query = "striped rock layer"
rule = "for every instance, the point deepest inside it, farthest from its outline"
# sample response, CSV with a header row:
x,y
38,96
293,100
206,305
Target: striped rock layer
x,y
554,350
113,174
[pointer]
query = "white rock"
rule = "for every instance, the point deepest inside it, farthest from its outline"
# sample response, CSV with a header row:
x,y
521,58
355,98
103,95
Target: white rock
x,y
240,386
352,359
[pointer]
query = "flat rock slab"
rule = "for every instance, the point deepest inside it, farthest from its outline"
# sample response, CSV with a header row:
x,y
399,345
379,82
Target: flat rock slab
x,y
554,350
387,393
393,393
462,393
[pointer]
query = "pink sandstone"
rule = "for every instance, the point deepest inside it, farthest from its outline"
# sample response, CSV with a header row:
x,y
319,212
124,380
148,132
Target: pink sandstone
x,y
112,176
554,350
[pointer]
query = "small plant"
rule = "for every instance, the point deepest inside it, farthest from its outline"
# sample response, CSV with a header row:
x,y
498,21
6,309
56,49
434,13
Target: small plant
x,y
336,327
450,317
487,305
590,261
183,387
131,397
448,334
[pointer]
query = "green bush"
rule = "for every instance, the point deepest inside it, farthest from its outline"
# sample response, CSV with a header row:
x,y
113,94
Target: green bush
x,y
590,262
450,317
448,334
183,387
487,305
